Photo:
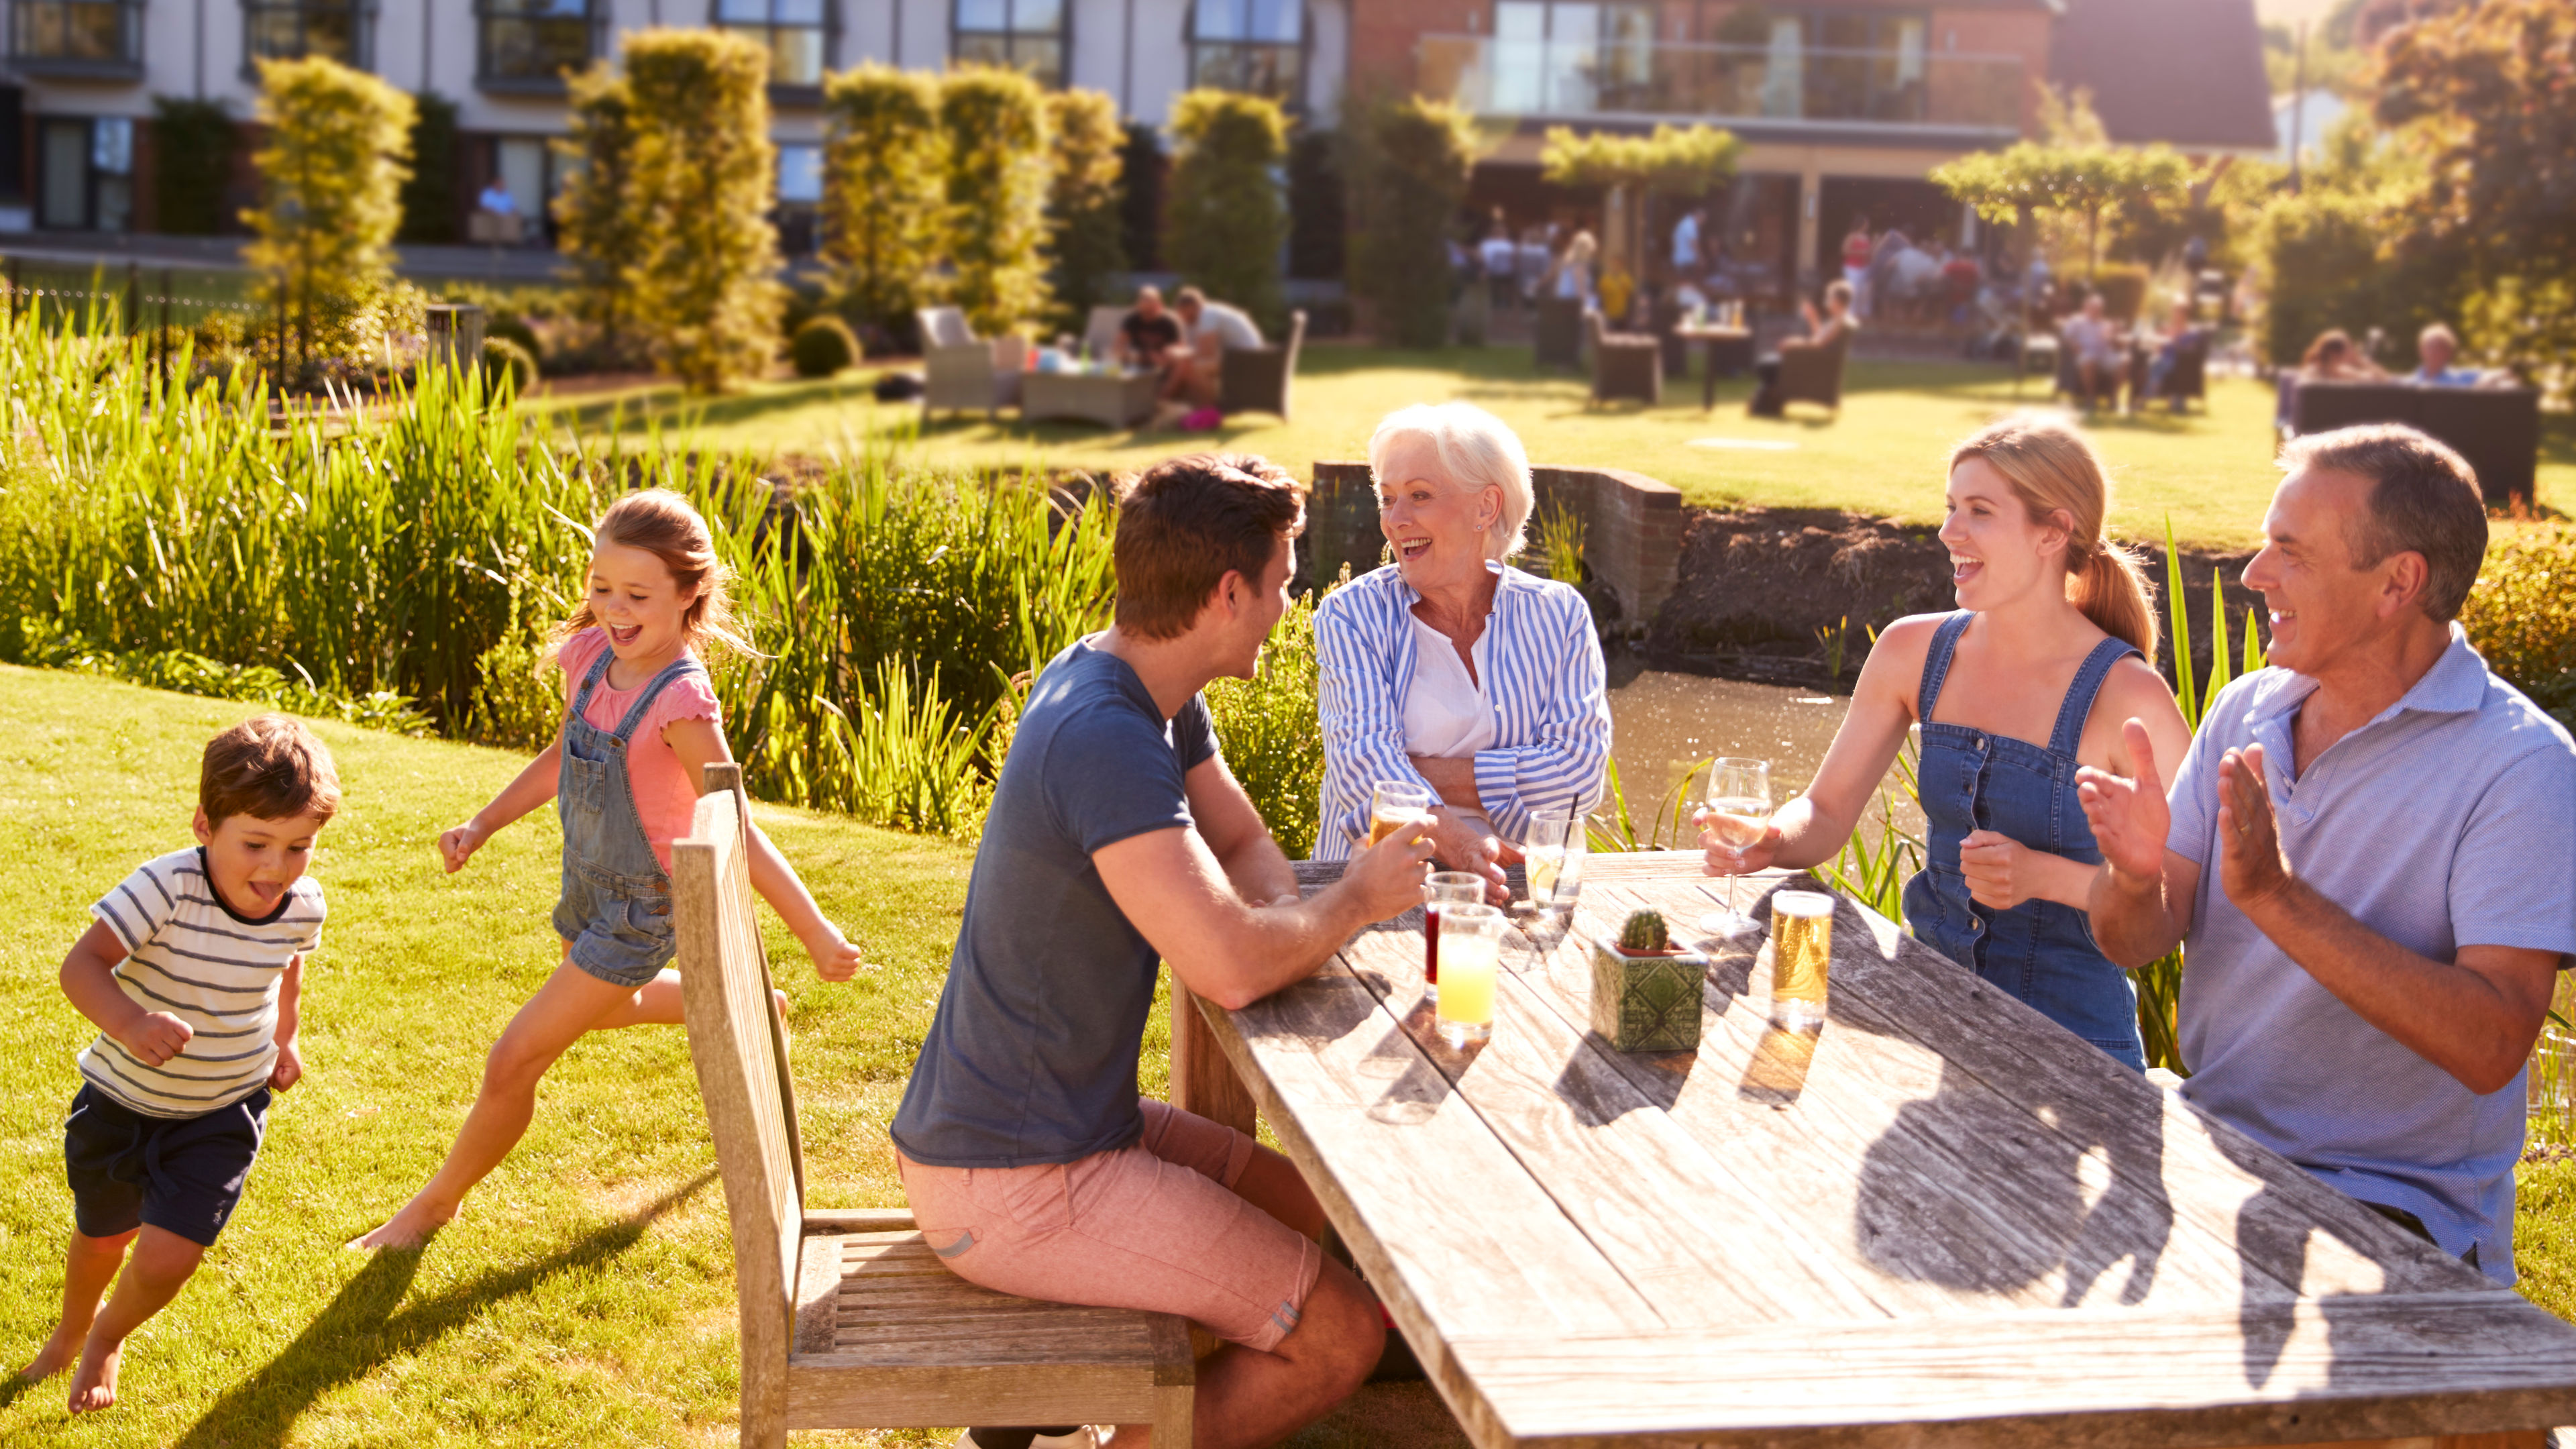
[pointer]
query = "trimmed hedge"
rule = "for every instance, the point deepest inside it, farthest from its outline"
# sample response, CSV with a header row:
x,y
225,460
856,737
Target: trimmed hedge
x,y
823,346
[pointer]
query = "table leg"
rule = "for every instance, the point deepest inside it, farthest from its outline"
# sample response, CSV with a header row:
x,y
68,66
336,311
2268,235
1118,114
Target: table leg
x,y
1708,375
1203,1081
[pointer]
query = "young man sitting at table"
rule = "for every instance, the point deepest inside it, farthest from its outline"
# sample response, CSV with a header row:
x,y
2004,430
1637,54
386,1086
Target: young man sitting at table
x,y
1118,838
2366,847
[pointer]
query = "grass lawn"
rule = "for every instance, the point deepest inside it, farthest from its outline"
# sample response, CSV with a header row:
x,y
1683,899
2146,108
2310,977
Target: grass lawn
x,y
2211,471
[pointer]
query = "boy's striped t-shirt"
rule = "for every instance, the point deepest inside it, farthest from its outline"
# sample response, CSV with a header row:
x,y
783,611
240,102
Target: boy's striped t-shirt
x,y
191,955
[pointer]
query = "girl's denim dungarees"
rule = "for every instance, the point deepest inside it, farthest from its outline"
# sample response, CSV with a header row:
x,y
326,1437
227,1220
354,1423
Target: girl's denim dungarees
x,y
2039,951
616,902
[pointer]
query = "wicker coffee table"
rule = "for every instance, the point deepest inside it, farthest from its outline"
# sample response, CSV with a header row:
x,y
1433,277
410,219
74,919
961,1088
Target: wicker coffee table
x,y
1111,399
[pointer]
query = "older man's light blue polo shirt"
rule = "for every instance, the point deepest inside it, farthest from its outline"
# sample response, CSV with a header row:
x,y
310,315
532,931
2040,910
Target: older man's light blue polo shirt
x,y
2447,821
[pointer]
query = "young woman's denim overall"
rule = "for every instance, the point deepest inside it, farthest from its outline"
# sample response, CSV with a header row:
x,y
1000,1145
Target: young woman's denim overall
x,y
2039,951
616,903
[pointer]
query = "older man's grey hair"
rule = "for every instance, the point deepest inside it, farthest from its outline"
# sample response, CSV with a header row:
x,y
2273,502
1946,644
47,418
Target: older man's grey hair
x,y
1476,450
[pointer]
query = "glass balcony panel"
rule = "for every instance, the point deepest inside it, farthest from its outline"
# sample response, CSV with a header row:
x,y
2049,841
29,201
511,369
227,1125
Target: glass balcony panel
x,y
1517,73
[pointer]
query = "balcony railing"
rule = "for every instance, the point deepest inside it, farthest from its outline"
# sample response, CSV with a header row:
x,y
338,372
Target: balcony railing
x,y
1671,80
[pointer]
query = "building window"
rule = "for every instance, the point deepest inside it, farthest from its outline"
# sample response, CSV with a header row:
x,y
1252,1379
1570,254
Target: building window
x,y
800,197
87,173
1257,46
792,31
1554,58
294,29
1865,65
88,35
1022,34
533,42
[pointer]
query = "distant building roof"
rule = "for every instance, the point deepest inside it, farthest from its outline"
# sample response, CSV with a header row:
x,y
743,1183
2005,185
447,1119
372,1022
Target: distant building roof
x,y
2187,72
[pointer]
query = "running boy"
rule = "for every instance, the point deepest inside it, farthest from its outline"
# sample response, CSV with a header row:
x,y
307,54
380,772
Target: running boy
x,y
194,973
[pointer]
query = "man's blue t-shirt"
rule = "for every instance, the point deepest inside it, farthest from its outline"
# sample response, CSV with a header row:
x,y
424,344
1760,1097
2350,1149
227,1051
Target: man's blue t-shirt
x,y
1032,1058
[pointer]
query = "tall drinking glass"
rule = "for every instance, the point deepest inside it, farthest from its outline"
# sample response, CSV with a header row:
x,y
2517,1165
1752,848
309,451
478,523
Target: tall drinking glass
x,y
1393,806
1471,952
1553,852
1802,955
1739,810
1444,889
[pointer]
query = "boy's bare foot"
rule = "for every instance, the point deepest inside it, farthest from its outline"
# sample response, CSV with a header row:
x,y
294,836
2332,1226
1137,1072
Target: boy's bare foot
x,y
408,1229
94,1386
59,1353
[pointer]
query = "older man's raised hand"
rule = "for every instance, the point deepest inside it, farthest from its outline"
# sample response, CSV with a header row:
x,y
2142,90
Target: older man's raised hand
x,y
2130,818
2250,867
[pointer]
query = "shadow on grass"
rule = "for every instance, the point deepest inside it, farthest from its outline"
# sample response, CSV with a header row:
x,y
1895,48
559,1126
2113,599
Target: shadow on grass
x,y
360,1329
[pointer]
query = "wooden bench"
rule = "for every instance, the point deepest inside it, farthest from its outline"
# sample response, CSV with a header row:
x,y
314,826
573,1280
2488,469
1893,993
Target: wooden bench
x,y
849,1320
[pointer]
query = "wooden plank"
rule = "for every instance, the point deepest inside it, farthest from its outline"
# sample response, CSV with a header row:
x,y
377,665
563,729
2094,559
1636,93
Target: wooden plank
x,y
1203,1081
858,1220
2380,1366
836,1391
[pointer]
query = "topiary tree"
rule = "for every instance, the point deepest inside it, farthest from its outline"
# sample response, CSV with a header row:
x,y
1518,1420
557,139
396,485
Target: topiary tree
x,y
429,196
1141,168
705,286
1083,216
822,346
598,221
1224,219
884,191
1408,169
2078,181
192,150
1670,162
998,172
331,164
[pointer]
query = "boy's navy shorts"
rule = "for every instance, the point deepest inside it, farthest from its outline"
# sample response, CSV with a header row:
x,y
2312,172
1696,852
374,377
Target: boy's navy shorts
x,y
180,1174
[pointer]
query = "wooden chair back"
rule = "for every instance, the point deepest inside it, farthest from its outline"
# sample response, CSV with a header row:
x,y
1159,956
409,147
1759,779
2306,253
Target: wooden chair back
x,y
739,1045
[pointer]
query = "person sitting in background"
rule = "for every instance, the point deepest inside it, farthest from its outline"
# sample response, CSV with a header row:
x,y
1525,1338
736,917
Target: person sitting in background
x,y
1856,253
2366,851
2434,350
2094,344
2181,336
1148,333
1821,332
1208,329
2334,358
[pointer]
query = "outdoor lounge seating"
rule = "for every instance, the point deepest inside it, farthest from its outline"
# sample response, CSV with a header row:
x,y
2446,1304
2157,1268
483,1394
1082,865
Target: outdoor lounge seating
x,y
1258,379
1100,334
1557,334
1624,364
1812,372
849,1320
960,368
2496,428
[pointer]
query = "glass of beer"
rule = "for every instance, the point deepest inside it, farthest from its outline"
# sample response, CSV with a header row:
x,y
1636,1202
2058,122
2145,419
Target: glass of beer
x,y
1471,952
1395,805
1802,953
1444,889
1739,811
1553,851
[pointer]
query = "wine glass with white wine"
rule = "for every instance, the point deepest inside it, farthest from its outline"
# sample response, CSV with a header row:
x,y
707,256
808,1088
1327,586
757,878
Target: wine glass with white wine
x,y
1739,811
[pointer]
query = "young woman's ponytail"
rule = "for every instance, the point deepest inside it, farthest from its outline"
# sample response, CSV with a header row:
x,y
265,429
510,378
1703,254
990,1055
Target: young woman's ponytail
x,y
2055,471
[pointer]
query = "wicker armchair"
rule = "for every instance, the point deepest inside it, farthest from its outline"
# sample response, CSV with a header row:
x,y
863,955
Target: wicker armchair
x,y
1624,364
1813,373
962,370
1256,379
1557,334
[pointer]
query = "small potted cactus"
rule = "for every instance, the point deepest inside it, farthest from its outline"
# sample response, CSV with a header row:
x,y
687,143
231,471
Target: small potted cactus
x,y
1645,991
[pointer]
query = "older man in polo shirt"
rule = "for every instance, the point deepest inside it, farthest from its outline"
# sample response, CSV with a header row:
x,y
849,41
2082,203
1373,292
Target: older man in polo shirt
x,y
2368,850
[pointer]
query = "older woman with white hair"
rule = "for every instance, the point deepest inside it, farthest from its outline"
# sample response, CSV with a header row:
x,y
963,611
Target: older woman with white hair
x,y
1448,668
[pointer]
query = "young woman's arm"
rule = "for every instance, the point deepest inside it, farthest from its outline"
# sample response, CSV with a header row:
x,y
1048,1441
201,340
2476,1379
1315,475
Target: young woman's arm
x,y
1813,828
699,744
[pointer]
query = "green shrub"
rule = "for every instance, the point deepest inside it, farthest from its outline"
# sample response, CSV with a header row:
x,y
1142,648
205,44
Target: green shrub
x,y
823,346
599,220
429,193
1224,219
2522,615
1265,727
1317,225
1409,166
192,151
504,358
497,323
703,284
1083,204
884,182
1142,167
2123,286
998,173
331,163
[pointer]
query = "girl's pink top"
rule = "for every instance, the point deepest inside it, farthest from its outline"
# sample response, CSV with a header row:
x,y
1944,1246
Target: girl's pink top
x,y
664,798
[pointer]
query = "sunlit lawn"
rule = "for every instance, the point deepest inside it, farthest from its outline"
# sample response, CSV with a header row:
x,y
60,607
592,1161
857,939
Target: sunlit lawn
x,y
1882,455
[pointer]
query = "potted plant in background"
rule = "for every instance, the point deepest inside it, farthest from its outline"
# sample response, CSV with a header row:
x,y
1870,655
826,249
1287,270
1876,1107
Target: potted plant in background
x,y
1645,990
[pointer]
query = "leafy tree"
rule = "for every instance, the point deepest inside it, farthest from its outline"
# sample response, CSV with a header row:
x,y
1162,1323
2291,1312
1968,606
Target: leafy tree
x,y
705,286
999,167
884,183
2079,181
1318,228
1630,169
192,149
429,196
1141,168
1083,215
2325,253
596,212
332,163
1409,165
1225,219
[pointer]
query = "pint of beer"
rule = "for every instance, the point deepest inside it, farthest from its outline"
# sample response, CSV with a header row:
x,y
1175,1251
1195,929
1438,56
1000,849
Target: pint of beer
x,y
1393,806
1802,951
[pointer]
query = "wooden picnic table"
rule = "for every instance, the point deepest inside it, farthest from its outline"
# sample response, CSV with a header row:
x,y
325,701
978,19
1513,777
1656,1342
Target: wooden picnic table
x,y
1943,1220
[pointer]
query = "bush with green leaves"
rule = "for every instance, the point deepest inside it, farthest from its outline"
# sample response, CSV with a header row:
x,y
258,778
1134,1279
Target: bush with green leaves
x,y
2326,258
1083,216
1224,217
823,345
885,174
429,194
192,162
2521,617
999,169
1409,165
704,285
601,224
507,360
1265,727
332,160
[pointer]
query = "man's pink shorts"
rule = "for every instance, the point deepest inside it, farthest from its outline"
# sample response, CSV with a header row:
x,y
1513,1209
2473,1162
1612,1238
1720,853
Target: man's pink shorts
x,y
1154,1226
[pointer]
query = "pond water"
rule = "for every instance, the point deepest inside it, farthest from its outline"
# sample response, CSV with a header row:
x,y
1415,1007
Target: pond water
x,y
1664,723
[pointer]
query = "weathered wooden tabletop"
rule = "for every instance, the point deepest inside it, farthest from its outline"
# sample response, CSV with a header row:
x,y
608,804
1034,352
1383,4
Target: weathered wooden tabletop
x,y
1943,1220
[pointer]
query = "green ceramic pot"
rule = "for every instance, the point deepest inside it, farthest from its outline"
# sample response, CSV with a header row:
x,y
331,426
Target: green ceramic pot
x,y
1647,1003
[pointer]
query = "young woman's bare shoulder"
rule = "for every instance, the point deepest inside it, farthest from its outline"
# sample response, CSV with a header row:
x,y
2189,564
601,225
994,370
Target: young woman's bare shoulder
x,y
2134,687
1895,662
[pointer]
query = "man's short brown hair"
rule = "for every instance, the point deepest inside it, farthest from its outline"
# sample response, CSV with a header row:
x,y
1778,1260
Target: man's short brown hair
x,y
2423,498
269,768
1184,523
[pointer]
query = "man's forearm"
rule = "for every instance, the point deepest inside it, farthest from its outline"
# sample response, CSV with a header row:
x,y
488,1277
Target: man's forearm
x,y
2132,922
1281,946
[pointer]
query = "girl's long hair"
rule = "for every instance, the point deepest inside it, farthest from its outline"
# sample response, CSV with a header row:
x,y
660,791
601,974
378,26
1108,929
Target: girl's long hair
x,y
663,524
2054,470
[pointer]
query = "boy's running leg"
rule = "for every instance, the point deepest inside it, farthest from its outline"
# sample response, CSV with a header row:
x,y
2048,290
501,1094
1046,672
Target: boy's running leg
x,y
160,1267
570,1003
87,1270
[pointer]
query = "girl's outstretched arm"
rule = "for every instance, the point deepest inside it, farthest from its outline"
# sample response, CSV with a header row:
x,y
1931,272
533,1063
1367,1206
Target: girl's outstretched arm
x,y
534,786
699,744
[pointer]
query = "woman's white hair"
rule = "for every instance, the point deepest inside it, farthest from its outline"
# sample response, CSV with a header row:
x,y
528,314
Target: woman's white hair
x,y
1476,450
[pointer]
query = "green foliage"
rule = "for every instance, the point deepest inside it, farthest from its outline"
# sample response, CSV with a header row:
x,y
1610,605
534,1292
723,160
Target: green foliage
x,y
1644,932
1224,218
2328,256
884,191
1265,728
1409,166
2522,615
2123,286
704,285
192,149
510,365
1318,226
429,193
823,346
1083,218
1142,167
48,646
332,162
599,217
999,166
2080,181
1670,162
1560,544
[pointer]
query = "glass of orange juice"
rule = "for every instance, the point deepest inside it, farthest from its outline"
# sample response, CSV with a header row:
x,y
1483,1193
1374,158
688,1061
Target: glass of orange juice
x,y
1471,951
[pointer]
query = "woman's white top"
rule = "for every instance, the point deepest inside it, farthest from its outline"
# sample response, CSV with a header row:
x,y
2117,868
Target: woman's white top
x,y
1446,715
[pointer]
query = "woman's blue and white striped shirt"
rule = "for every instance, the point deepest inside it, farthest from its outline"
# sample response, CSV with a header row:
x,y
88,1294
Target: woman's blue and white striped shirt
x,y
1543,677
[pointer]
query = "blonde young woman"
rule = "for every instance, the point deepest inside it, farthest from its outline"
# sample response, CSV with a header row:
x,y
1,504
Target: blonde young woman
x,y
2050,651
